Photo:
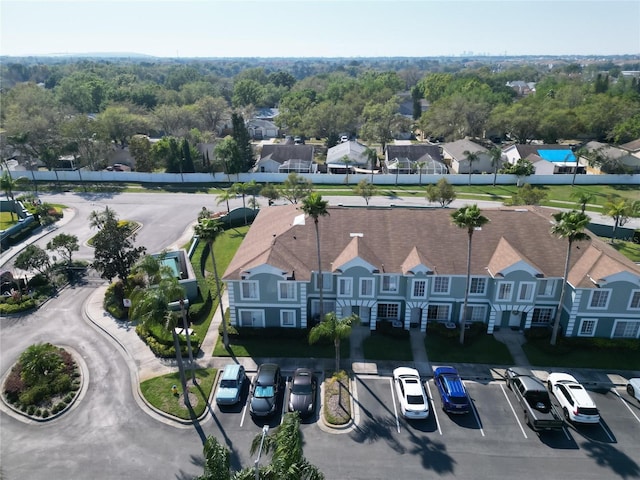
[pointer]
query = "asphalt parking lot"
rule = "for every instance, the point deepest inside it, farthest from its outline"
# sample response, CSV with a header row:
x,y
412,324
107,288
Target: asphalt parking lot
x,y
489,442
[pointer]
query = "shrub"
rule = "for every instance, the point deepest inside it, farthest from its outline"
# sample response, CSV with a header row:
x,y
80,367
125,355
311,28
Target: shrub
x,y
61,384
10,307
58,407
68,398
31,409
14,385
45,414
35,394
38,412
113,299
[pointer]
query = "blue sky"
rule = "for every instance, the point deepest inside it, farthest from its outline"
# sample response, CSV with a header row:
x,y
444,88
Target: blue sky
x,y
328,28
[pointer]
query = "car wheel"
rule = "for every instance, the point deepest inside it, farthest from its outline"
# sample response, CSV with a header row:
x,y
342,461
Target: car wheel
x,y
526,419
631,391
566,414
549,386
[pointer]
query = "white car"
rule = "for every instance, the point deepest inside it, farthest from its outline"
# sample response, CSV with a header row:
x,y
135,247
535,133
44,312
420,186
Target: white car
x,y
577,405
410,391
633,388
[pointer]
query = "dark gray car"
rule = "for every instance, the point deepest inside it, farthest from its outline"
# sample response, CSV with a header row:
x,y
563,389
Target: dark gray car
x,y
265,390
302,397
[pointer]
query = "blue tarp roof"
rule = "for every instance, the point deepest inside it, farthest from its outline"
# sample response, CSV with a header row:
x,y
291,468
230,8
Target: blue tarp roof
x,y
557,155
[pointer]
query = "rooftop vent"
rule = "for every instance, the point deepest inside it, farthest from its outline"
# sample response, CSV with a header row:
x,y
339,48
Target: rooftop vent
x,y
356,235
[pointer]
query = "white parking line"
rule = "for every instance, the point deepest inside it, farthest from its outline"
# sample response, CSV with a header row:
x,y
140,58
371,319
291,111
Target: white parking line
x,y
514,412
606,430
626,405
473,409
393,400
244,409
433,408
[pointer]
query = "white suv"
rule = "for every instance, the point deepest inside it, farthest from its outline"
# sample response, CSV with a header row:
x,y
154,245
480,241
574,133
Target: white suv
x,y
577,405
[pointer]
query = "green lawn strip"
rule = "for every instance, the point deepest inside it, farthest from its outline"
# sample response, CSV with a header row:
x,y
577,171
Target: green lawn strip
x,y
157,391
384,347
7,220
540,353
278,347
630,250
482,349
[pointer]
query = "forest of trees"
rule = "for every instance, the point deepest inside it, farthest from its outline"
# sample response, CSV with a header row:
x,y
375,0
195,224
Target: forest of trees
x,y
86,107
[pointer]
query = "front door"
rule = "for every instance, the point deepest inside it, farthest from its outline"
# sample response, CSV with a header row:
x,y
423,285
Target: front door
x,y
365,315
514,319
416,316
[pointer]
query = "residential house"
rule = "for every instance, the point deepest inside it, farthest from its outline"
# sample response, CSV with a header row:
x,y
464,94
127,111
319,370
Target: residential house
x,y
454,154
260,129
345,156
547,159
278,158
407,266
414,158
521,87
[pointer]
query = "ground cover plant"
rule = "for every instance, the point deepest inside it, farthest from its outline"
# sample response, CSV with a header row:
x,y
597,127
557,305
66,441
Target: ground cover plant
x,y
43,382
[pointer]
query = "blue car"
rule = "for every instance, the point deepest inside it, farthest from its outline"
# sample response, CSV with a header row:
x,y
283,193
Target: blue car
x,y
452,392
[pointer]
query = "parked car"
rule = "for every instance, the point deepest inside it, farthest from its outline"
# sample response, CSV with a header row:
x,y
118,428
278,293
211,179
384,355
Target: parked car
x,y
452,391
534,400
265,390
577,405
302,397
633,388
413,400
231,384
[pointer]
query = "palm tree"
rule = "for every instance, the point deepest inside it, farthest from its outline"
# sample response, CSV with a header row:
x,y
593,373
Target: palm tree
x,y
372,156
583,198
208,229
9,184
287,459
470,218
569,225
496,159
315,207
581,152
619,210
471,157
241,188
335,329
217,461
419,167
225,196
347,164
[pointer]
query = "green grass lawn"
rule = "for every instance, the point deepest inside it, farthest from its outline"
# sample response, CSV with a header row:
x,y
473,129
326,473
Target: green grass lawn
x,y
482,349
628,249
541,354
157,391
278,347
7,220
385,347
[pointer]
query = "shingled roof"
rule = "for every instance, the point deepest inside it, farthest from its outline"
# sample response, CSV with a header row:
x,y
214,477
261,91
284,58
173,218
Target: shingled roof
x,y
282,153
392,239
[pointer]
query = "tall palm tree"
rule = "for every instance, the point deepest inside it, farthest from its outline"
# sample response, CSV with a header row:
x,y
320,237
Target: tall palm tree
x,y
471,157
286,446
225,196
335,329
470,218
372,156
583,198
419,167
241,188
619,210
208,229
496,159
347,165
8,185
569,225
315,207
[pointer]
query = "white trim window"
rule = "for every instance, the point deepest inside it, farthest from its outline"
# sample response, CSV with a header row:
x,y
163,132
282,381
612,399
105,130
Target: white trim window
x,y
626,329
249,290
438,312
634,300
345,287
389,284
419,288
286,291
599,299
504,291
440,285
546,287
526,291
389,311
477,286
327,281
477,313
251,318
288,318
329,305
366,287
542,316
587,327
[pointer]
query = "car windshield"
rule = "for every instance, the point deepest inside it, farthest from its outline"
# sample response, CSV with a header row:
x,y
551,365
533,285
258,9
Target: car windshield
x,y
415,400
228,384
301,389
263,392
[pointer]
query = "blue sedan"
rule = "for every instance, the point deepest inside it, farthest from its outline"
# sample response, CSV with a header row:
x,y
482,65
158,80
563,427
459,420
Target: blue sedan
x,y
452,392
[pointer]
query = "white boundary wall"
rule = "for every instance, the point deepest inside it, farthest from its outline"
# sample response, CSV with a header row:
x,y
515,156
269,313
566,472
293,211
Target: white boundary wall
x,y
322,178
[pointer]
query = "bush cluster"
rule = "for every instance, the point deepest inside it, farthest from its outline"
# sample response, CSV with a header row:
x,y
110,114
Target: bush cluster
x,y
9,305
474,330
162,346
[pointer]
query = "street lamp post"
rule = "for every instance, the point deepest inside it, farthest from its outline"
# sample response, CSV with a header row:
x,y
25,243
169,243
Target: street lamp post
x,y
256,464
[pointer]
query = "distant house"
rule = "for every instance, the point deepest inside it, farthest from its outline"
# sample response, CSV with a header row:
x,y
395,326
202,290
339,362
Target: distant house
x,y
522,88
547,159
405,267
345,156
261,129
277,158
415,158
454,154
